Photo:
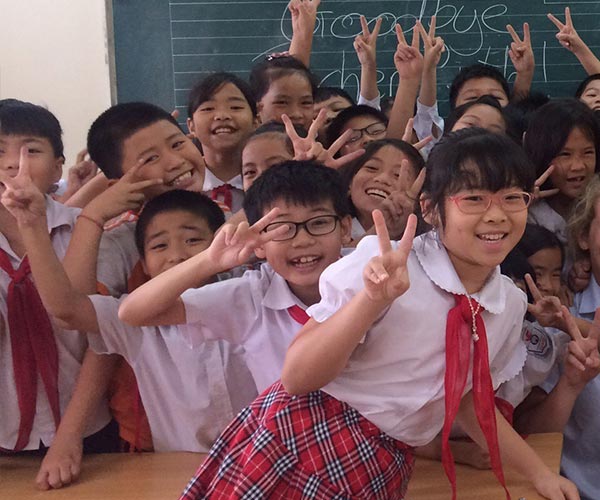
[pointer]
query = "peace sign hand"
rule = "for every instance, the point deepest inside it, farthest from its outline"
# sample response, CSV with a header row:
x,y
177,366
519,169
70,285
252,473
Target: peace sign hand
x,y
308,148
433,45
547,310
365,44
386,275
408,135
537,192
304,15
567,36
408,59
521,51
582,362
21,197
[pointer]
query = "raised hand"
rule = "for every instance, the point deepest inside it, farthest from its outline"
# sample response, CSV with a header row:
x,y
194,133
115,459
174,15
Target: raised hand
x,y
365,44
582,362
433,45
408,135
547,310
408,59
521,51
304,14
537,192
21,197
308,148
386,275
83,171
567,36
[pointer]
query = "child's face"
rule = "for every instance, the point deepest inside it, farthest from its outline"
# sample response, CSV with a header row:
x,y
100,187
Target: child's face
x,y
261,154
547,266
223,122
365,129
290,95
591,95
574,165
44,167
477,243
476,87
302,259
483,116
172,237
333,105
376,179
167,154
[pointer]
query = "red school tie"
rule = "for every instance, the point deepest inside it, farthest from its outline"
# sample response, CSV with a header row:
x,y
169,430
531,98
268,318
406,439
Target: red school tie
x,y
33,347
223,191
298,314
465,324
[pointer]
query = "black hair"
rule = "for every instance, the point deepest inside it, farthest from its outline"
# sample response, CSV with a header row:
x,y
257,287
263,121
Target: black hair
x,y
296,182
517,114
24,118
457,113
273,68
536,238
474,158
114,126
205,89
178,199
339,122
277,128
472,72
324,93
549,129
582,86
386,104
515,266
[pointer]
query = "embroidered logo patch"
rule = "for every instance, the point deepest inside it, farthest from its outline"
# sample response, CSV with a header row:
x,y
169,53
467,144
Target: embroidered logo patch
x,y
536,339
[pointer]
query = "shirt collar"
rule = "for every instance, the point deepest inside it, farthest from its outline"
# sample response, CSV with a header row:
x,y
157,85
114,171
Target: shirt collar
x,y
211,181
278,295
590,298
434,260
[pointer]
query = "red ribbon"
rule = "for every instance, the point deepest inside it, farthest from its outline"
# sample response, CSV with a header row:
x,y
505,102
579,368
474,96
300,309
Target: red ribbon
x,y
459,335
33,347
298,314
224,191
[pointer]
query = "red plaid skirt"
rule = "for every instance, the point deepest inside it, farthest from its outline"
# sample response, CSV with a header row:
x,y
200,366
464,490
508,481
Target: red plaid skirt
x,y
302,447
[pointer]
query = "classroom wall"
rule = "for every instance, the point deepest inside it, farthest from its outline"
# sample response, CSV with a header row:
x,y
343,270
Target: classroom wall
x,y
55,53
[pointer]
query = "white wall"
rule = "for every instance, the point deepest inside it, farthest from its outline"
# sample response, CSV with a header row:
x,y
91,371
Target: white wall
x,y
54,53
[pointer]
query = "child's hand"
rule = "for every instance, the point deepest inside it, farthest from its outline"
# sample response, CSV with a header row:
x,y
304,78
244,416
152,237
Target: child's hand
x,y
433,45
408,135
386,276
537,193
125,194
407,59
82,172
61,465
304,15
521,51
554,486
567,36
21,196
365,44
308,148
548,310
233,244
582,362
580,274
401,201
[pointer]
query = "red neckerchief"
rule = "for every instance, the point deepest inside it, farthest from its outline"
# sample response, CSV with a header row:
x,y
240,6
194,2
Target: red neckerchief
x,y
33,347
298,314
224,191
465,325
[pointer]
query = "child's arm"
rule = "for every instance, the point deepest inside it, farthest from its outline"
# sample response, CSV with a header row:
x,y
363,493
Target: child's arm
x,y
89,191
304,18
320,351
365,46
516,453
570,40
158,301
409,65
433,47
521,55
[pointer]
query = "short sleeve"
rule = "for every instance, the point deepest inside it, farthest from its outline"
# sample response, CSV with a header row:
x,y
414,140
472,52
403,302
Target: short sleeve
x,y
117,257
372,103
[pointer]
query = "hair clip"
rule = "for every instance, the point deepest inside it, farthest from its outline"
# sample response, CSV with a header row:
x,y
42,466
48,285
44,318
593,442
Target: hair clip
x,y
277,55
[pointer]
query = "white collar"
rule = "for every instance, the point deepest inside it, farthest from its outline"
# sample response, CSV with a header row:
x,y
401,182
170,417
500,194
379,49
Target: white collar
x,y
434,260
590,298
278,295
211,181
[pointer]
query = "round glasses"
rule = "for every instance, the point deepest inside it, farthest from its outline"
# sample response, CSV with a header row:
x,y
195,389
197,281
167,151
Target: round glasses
x,y
480,203
315,226
373,130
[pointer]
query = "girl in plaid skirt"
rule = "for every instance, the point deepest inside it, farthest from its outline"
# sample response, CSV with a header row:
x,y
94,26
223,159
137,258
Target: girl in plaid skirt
x,y
381,366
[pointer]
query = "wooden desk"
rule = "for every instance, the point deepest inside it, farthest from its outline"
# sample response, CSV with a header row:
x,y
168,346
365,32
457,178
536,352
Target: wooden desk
x,y
164,476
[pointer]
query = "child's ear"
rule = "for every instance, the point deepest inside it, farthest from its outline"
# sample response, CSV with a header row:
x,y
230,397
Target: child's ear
x,y
144,268
346,225
430,214
190,126
58,168
259,108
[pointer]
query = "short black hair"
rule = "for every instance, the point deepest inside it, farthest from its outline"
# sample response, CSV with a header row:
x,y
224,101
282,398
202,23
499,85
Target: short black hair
x,y
474,158
205,89
582,86
343,117
277,128
472,72
298,182
178,199
324,93
536,238
457,113
515,266
518,114
25,118
114,126
549,129
273,68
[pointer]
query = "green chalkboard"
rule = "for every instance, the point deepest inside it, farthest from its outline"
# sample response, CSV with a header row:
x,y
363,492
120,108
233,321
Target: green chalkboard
x,y
162,47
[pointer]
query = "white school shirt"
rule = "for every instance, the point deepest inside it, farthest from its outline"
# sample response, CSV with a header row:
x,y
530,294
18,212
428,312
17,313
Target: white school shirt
x,y
395,377
211,181
190,395
544,215
250,311
71,347
357,231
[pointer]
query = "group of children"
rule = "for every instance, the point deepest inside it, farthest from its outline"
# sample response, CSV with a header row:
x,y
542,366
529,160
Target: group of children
x,y
203,293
